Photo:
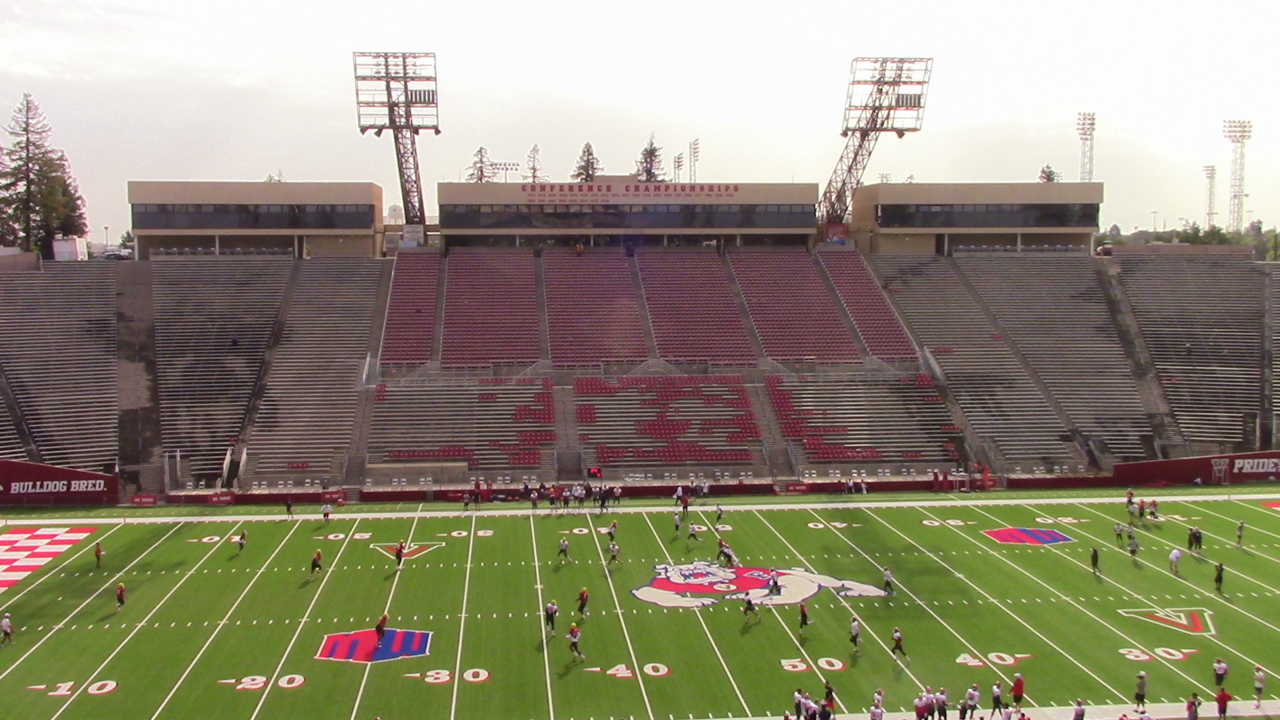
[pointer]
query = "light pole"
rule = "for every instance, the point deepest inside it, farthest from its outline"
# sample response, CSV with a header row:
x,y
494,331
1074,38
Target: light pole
x,y
106,237
505,167
1153,219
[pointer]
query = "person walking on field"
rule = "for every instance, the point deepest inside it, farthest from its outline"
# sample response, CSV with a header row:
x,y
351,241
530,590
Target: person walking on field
x,y
1017,691
1222,698
6,630
98,552
1140,693
1193,707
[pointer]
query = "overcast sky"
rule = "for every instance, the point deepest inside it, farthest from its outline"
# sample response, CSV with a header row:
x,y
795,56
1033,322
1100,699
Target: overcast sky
x,y
239,89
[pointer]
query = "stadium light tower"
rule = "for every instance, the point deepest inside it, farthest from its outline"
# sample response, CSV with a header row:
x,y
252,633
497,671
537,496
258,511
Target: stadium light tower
x,y
884,95
397,92
1211,180
1085,123
1238,132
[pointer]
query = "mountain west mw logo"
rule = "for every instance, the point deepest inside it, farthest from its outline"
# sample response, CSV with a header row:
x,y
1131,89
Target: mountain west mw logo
x,y
362,646
1193,621
1027,536
678,585
1220,466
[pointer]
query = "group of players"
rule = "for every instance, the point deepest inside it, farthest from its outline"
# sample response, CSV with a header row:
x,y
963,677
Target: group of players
x,y
1140,511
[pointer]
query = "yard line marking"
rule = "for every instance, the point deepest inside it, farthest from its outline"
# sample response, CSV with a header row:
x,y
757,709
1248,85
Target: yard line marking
x,y
302,622
1179,578
644,693
9,601
93,676
1213,638
1100,621
1003,607
702,621
93,596
462,624
969,646
223,622
816,668
813,665
390,596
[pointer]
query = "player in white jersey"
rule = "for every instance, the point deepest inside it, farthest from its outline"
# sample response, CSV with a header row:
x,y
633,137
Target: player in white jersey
x,y
1077,712
877,698
929,702
876,712
6,630
564,550
855,630
1174,557
969,705
888,580
940,703
1007,713
1259,680
1240,534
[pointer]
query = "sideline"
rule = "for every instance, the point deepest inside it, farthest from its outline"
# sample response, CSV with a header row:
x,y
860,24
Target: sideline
x,y
523,510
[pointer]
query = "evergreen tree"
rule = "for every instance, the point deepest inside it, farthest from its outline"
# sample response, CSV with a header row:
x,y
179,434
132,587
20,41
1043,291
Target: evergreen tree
x,y
1048,174
482,169
533,163
588,165
37,190
649,166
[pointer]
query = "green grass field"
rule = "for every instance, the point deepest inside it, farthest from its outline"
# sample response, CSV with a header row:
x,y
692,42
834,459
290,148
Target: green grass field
x,y
208,631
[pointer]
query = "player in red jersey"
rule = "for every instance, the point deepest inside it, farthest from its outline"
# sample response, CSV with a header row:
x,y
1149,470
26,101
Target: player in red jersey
x,y
119,597
315,564
380,629
804,617
575,636
399,555
98,552
1017,691
242,540
583,596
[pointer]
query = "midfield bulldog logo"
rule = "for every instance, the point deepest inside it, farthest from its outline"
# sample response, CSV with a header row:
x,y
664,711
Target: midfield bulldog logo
x,y
677,585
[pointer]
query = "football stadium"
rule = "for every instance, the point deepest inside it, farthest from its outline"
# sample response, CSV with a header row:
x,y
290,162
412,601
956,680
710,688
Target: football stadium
x,y
628,448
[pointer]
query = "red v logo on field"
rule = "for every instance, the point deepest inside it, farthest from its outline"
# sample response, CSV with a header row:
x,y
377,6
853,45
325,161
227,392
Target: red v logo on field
x,y
411,550
1193,621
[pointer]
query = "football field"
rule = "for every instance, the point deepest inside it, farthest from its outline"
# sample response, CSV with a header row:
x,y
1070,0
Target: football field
x,y
983,588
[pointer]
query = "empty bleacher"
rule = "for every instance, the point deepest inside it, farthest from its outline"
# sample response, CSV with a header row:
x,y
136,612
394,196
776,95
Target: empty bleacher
x,y
983,374
792,308
873,419
865,302
10,443
58,348
1201,317
592,313
411,309
1054,310
666,421
490,308
305,421
692,307
490,424
214,318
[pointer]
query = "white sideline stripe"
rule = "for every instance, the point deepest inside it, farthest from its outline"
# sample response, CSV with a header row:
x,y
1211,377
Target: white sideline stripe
x,y
94,675
1272,513
67,561
546,649
522,509
1004,607
390,596
701,621
1213,638
1100,621
221,623
969,646
622,618
275,675
462,624
92,596
814,666
1239,708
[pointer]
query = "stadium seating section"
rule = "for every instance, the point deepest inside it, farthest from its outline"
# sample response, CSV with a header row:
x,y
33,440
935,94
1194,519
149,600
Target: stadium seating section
x,y
313,385
1202,320
490,309
866,304
493,423
214,319
1053,309
657,421
58,349
592,313
411,310
791,307
692,307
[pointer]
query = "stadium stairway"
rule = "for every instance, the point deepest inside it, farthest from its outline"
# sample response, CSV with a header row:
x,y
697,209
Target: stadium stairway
x,y
16,442
744,310
357,452
141,463
1164,425
646,322
1269,362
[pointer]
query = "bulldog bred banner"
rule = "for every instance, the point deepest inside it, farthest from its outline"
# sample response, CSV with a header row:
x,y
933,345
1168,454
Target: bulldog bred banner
x,y
25,483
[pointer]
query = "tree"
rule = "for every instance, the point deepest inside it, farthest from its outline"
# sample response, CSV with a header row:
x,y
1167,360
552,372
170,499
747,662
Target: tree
x,y
649,166
1048,174
482,169
1194,235
127,240
37,191
588,165
533,163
